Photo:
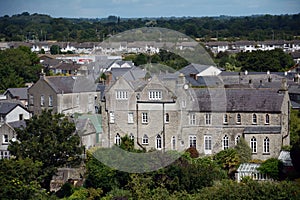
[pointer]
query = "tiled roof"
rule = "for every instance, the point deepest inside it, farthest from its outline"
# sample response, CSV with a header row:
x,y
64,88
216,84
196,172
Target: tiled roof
x,y
21,93
70,84
236,100
18,124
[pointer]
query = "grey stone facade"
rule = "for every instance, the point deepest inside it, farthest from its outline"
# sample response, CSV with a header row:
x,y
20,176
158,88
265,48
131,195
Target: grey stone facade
x,y
161,117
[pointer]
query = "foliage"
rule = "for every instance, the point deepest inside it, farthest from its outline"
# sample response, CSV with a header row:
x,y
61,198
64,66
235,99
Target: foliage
x,y
28,27
17,67
229,160
273,60
193,152
127,144
272,167
244,151
101,176
48,139
295,126
19,178
55,49
85,194
228,189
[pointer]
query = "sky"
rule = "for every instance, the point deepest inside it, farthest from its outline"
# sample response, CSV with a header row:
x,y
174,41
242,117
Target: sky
x,y
148,8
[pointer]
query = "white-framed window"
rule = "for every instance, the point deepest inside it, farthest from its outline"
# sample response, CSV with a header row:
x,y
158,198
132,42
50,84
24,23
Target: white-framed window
x,y
50,101
31,98
158,142
121,95
267,119
192,119
131,137
225,119
117,139
167,118
253,145
266,145
207,144
173,142
5,139
42,100
145,139
144,118
207,118
4,155
192,141
238,118
130,118
111,117
254,119
237,139
155,95
225,142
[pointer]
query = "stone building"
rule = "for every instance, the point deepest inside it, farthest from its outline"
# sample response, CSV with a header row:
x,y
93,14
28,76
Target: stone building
x,y
169,114
63,94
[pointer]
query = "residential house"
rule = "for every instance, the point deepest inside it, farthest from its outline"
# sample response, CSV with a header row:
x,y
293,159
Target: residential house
x,y
7,133
63,94
13,111
19,94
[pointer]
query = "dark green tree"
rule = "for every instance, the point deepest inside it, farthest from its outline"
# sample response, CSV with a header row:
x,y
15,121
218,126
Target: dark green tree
x,y
19,179
54,49
272,167
243,150
49,139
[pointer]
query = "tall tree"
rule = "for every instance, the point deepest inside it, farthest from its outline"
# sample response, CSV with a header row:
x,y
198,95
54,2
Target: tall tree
x,y
49,139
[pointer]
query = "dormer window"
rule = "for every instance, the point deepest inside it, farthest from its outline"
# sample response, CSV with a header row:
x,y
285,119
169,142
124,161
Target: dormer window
x,y
155,95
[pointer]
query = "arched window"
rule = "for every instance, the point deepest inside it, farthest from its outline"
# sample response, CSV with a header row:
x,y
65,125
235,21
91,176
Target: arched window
x,y
145,139
267,119
158,142
266,145
173,142
238,118
237,139
118,139
253,145
254,119
225,142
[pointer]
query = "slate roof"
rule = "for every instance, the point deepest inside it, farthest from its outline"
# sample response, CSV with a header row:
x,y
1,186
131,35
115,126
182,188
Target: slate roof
x,y
18,124
21,93
70,84
193,69
95,119
6,107
285,157
236,100
263,129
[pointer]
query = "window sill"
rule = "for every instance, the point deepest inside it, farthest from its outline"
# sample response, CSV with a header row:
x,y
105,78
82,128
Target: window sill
x,y
266,154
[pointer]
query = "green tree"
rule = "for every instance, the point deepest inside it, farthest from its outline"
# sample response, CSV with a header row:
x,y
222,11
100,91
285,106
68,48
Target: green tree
x,y
243,150
19,179
272,167
229,160
49,139
55,49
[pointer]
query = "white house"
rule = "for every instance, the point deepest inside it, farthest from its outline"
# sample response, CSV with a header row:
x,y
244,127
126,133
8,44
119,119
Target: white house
x,y
13,111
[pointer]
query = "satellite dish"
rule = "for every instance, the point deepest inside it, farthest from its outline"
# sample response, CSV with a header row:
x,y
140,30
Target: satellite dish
x,y
14,139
